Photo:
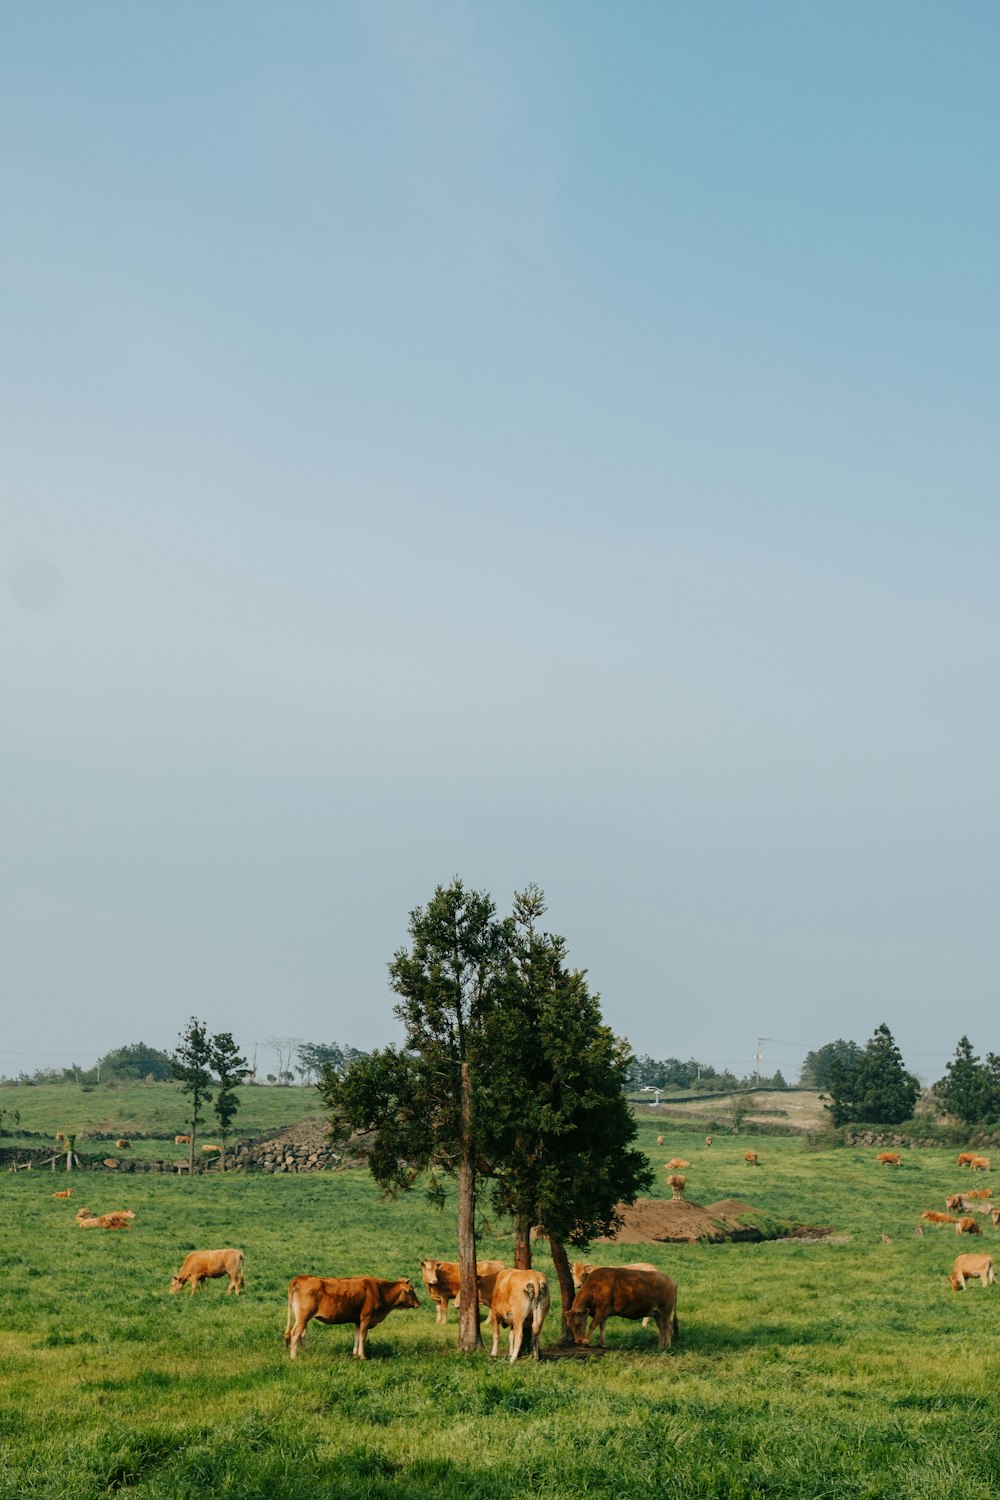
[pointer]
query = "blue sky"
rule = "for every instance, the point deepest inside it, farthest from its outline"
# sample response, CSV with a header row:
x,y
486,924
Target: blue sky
x,y
543,443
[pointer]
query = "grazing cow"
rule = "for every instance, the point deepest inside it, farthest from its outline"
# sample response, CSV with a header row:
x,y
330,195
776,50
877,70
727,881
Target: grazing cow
x,y
579,1272
980,1164
889,1159
677,1164
954,1203
124,1144
182,1140
442,1280
708,1140
519,1297
966,1158
750,1158
615,1292
659,1140
967,1225
362,1300
968,1267
200,1265
211,1148
66,1193
980,1193
930,1216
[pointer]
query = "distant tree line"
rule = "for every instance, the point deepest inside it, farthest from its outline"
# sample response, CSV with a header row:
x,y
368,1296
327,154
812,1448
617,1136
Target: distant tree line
x,y
670,1073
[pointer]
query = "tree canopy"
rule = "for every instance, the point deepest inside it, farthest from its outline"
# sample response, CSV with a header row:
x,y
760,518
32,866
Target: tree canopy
x,y
874,1087
970,1089
136,1061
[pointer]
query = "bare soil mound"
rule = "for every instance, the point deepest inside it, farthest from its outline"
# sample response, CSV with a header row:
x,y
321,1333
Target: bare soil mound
x,y
680,1221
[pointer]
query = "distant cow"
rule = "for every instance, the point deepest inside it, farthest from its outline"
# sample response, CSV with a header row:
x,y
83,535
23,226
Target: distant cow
x,y
364,1301
708,1140
966,1158
443,1282
967,1225
675,1182
980,1164
750,1158
211,1148
930,1216
117,1219
889,1158
519,1298
968,1267
201,1265
676,1164
614,1292
980,1193
659,1140
182,1140
66,1193
953,1203
995,1217
124,1144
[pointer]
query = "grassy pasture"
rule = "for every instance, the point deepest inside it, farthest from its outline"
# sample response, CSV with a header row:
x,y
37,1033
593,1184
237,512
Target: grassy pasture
x,y
157,1110
832,1369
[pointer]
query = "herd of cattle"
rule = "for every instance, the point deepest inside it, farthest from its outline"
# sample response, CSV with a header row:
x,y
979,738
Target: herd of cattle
x,y
518,1300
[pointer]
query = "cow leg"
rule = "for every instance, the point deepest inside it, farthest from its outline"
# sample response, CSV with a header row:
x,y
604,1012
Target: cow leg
x,y
298,1335
495,1325
663,1326
441,1315
514,1341
193,1285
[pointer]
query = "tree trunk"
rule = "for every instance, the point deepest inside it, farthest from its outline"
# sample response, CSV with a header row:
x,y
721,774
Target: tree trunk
x,y
566,1289
191,1147
469,1339
522,1243
222,1163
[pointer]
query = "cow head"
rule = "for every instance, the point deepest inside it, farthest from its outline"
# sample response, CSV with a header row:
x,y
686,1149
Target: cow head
x,y
406,1296
578,1327
175,1283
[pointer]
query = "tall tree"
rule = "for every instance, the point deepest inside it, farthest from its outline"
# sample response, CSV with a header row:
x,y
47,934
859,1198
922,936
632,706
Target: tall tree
x,y
421,1099
191,1065
557,1131
875,1088
815,1073
970,1089
231,1070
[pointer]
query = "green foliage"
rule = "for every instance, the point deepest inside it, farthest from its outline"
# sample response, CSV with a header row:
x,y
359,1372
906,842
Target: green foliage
x,y
874,1087
556,1129
135,1061
970,1089
230,1070
817,1065
191,1067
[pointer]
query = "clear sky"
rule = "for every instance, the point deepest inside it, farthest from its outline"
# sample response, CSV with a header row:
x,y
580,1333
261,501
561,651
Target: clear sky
x,y
541,442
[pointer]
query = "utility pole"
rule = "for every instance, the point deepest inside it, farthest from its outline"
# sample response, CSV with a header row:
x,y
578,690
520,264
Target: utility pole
x,y
756,1062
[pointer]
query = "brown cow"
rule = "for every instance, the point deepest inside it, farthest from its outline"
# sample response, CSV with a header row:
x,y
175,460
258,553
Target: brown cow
x,y
708,1140
675,1182
966,1158
995,1217
967,1225
66,1193
968,1267
953,1203
117,1219
750,1157
659,1140
124,1144
980,1164
519,1297
362,1300
442,1280
889,1159
930,1216
182,1140
201,1265
615,1292
676,1164
980,1193
579,1272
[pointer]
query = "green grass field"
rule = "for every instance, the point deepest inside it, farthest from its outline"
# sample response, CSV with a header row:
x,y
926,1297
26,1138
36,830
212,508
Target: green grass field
x,y
830,1369
156,1110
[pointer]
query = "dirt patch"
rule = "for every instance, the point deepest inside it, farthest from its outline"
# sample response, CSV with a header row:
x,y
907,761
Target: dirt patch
x,y
678,1221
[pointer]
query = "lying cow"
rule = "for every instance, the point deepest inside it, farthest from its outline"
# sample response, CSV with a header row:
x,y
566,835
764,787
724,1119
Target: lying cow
x,y
362,1300
117,1219
519,1298
202,1265
443,1282
614,1292
968,1267
66,1193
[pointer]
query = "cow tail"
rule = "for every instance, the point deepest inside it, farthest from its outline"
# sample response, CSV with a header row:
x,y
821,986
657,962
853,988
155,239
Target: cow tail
x,y
677,1326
